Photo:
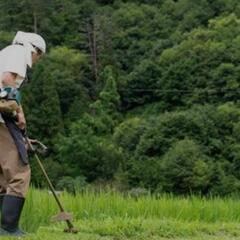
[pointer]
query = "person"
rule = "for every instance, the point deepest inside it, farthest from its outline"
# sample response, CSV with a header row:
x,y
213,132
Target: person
x,y
25,50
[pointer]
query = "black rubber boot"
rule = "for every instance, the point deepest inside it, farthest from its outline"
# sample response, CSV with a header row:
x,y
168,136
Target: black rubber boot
x,y
1,201
11,211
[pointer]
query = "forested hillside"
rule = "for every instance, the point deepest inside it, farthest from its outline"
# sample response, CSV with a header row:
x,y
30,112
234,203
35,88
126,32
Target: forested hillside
x,y
136,94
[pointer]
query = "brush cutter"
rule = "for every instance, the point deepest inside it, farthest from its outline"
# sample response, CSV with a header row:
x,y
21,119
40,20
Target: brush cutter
x,y
38,147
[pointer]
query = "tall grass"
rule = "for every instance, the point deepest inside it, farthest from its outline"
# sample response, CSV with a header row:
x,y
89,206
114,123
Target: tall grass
x,y
40,206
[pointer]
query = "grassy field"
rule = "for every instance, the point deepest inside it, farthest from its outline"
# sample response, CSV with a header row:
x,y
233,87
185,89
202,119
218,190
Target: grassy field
x,y
111,216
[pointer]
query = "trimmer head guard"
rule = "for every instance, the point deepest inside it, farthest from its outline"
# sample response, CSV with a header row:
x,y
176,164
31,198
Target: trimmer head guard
x,y
62,216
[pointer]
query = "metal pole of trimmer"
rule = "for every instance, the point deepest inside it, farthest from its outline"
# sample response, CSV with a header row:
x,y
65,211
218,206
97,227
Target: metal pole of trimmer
x,y
62,216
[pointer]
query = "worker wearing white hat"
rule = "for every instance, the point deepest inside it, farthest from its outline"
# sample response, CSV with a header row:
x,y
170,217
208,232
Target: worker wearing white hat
x,y
26,49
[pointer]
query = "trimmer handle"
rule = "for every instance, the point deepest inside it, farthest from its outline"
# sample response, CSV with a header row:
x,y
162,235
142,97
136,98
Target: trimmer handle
x,y
37,146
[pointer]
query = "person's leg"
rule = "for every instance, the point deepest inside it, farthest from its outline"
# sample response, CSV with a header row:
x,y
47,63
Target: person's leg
x,y
17,176
3,186
3,183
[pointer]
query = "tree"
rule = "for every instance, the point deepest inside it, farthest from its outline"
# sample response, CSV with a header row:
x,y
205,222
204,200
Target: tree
x,y
42,106
186,169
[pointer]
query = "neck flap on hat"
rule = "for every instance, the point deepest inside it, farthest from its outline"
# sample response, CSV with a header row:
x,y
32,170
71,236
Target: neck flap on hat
x,y
25,39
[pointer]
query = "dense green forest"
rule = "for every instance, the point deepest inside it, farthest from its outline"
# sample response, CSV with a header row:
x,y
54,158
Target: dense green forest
x,y
134,94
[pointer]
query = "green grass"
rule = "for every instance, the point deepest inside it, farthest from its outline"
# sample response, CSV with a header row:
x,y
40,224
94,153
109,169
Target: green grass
x,y
112,216
141,229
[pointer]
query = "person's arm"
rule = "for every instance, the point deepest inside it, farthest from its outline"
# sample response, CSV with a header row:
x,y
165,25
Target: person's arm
x,y
9,80
21,118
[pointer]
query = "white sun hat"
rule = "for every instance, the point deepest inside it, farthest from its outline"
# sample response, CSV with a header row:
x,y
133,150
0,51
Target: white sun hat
x,y
30,40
